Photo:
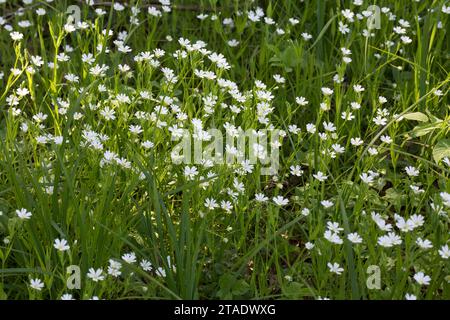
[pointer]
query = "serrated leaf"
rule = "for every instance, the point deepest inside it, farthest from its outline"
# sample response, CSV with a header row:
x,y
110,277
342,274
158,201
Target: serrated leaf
x,y
441,150
417,116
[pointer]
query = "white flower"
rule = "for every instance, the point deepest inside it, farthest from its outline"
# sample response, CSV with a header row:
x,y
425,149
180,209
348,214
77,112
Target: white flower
x,y
424,244
296,171
260,197
233,43
36,284
146,265
366,178
354,237
380,222
355,105
123,98
380,121
294,129
389,240
445,9
346,59
279,79
335,268
320,176
382,100
22,92
136,129
348,14
446,160
190,172
67,296
347,115
402,224
40,12
386,139
95,275
358,88
422,279
309,245
114,268
301,101
356,141
23,214
337,148
16,36
346,52
269,20
211,203
58,140
445,198
161,272
327,91
61,245
334,226
343,28
411,171
108,114
416,220
280,201
306,36
444,252
406,39
147,144
154,12
305,212
311,128
226,205
129,257
330,127
332,237
293,21
68,27
327,203
372,151
416,189
410,297
118,6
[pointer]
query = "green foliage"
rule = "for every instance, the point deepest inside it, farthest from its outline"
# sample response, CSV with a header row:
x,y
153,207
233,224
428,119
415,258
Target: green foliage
x,y
87,127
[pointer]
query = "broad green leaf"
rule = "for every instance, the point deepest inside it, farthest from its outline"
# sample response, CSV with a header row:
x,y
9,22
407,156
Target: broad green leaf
x,y
423,129
417,116
441,150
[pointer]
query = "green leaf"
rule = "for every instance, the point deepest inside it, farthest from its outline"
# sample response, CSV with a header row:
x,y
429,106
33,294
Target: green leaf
x,y
226,283
241,287
426,128
395,197
441,150
295,290
423,129
230,286
417,116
